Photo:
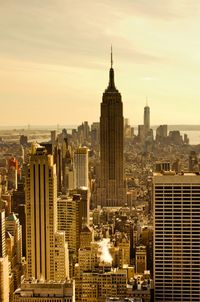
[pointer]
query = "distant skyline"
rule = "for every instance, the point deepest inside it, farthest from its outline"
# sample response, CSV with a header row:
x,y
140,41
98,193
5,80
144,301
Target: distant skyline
x,y
55,60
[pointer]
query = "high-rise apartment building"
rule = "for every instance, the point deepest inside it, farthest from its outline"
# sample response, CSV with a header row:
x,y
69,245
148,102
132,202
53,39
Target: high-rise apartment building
x,y
176,236
111,191
41,219
81,166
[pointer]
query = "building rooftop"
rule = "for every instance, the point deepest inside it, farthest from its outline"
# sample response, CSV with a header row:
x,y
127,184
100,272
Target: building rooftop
x,y
11,217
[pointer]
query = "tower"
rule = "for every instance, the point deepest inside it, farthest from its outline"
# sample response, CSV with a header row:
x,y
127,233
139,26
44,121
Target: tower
x,y
176,236
111,191
146,120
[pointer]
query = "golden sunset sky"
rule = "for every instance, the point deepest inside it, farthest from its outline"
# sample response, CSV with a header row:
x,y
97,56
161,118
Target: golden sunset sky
x,y
55,59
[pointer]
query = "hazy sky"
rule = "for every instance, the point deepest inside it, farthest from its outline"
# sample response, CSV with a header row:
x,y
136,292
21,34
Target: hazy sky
x,y
55,58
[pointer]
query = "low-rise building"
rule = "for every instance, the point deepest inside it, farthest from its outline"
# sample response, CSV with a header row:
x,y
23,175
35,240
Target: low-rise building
x,y
32,290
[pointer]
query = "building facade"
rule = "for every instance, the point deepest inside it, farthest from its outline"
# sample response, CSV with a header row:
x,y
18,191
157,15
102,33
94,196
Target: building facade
x,y
40,291
4,263
176,236
2,234
81,167
4,279
41,219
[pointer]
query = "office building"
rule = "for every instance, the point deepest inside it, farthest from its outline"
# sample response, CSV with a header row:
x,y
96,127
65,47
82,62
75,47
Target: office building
x,y
69,222
104,285
140,259
146,120
124,251
2,234
81,167
162,166
4,264
53,137
85,204
41,219
176,236
32,290
193,162
4,279
86,237
111,191
18,197
70,178
12,173
161,133
14,228
95,134
141,133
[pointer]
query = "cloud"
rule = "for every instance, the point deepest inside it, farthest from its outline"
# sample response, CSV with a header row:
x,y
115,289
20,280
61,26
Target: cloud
x,y
64,32
58,52
164,10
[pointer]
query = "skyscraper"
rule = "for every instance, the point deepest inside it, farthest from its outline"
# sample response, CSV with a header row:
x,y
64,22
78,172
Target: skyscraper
x,y
14,229
176,237
4,264
2,234
146,120
111,191
69,221
81,166
43,243
4,279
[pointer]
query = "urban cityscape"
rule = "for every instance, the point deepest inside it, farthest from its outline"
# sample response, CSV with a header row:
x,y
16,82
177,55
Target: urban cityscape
x,y
101,211
100,214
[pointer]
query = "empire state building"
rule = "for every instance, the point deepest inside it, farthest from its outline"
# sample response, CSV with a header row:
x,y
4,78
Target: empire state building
x,y
112,191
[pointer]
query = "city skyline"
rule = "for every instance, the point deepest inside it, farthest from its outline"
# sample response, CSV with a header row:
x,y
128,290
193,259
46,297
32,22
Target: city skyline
x,y
54,57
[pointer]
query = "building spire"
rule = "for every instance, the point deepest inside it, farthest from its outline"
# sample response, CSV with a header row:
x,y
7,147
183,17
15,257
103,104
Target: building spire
x,y
111,54
111,85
